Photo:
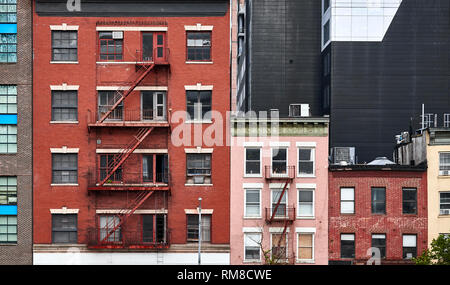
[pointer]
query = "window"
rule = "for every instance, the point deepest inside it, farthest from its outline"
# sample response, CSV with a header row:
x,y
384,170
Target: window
x,y
110,49
409,246
199,46
107,224
198,168
159,171
106,100
8,190
198,105
64,168
347,245
444,163
64,45
192,228
252,246
106,160
8,48
8,99
154,228
64,106
326,33
252,203
8,139
8,229
306,203
326,5
64,229
347,200
444,204
409,200
379,241
8,11
378,200
252,161
306,246
279,247
153,105
306,161
281,210
279,161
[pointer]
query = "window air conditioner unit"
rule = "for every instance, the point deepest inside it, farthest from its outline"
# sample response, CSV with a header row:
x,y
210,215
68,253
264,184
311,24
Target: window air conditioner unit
x,y
199,179
117,35
344,154
445,212
444,172
299,110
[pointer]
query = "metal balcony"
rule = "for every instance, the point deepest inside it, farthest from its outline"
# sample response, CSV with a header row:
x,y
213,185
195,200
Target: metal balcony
x,y
127,118
282,214
127,240
280,173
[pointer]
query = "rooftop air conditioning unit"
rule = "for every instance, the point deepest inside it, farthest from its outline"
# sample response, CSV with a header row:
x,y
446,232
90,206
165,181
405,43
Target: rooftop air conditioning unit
x,y
344,155
299,110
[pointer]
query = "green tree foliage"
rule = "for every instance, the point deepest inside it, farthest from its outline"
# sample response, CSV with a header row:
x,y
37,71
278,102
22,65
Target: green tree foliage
x,y
438,254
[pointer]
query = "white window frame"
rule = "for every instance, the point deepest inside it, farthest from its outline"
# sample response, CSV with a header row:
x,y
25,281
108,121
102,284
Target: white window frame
x,y
260,161
313,150
260,238
287,161
246,216
287,242
313,203
440,211
340,200
442,172
298,233
285,195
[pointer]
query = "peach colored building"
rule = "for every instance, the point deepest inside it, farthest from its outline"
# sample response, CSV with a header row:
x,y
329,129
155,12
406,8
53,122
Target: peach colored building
x,y
279,185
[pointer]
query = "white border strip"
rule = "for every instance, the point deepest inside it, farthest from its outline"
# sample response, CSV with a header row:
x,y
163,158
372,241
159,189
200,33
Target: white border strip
x,y
278,230
253,144
64,149
306,186
253,185
252,230
195,211
106,150
134,29
280,144
198,27
64,87
279,185
199,87
64,211
306,144
64,27
305,230
198,150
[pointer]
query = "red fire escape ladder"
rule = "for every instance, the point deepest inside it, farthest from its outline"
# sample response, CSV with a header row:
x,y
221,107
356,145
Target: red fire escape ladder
x,y
120,158
128,92
274,211
125,213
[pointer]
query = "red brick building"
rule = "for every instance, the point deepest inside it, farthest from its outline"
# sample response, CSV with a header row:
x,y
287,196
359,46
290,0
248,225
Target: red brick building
x,y
111,89
381,206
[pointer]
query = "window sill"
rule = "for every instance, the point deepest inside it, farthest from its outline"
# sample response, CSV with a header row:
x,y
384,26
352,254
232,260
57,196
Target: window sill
x,y
64,185
444,216
307,261
253,176
199,62
443,176
252,218
306,218
64,62
198,122
64,122
8,244
251,261
306,176
198,185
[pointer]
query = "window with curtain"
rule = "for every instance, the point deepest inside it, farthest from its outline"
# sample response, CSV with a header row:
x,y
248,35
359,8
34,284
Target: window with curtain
x,y
198,105
252,203
192,228
306,161
252,246
305,203
199,46
253,161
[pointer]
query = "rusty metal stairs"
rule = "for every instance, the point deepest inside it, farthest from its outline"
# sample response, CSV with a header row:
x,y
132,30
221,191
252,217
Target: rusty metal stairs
x,y
120,158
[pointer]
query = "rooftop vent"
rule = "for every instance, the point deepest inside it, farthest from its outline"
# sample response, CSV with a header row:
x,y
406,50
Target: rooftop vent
x,y
381,161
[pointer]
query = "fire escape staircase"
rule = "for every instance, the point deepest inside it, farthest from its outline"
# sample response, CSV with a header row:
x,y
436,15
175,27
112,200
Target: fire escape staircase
x,y
124,214
122,156
120,95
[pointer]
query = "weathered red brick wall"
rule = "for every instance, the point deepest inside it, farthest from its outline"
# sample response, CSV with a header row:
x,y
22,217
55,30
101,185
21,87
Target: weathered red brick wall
x,y
87,74
363,223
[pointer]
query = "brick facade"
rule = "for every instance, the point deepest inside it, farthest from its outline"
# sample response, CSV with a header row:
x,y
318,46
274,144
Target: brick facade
x,y
89,74
363,223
